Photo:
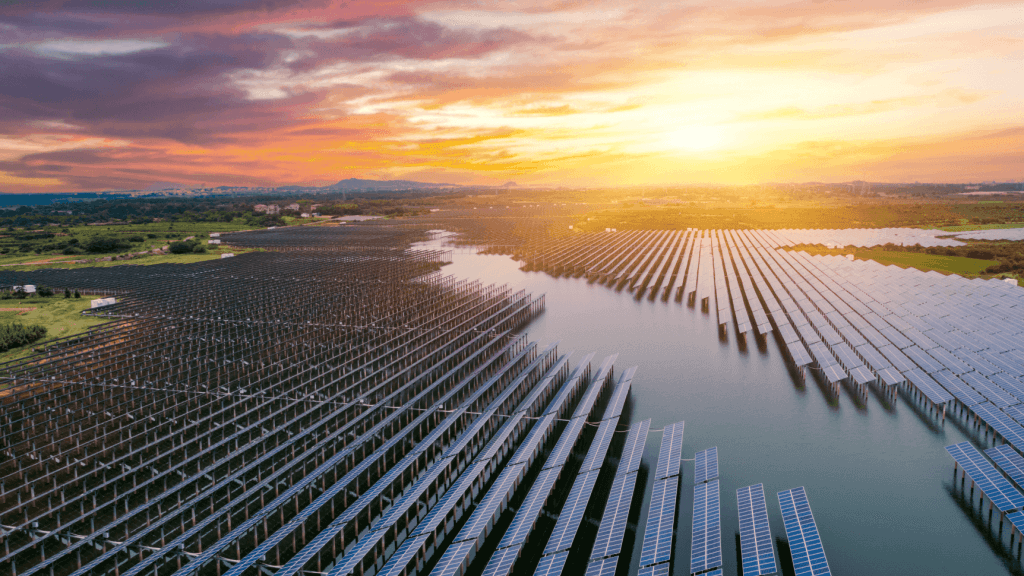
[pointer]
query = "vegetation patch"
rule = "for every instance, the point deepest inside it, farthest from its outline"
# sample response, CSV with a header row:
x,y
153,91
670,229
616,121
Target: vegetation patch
x,y
16,334
59,315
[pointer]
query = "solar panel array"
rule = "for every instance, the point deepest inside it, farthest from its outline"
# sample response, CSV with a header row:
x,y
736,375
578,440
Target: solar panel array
x,y
571,516
755,534
944,338
993,484
661,514
509,549
804,540
612,530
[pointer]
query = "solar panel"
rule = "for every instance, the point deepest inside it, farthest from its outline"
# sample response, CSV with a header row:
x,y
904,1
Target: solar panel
x,y
706,544
706,465
618,399
1016,412
502,561
526,516
834,374
804,540
452,561
755,533
671,453
406,552
891,376
799,354
571,516
603,567
616,513
1009,460
633,451
599,446
551,565
928,386
661,516
989,480
862,376
1002,423
958,388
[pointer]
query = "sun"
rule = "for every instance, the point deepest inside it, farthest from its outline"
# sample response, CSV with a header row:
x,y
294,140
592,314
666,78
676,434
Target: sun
x,y
696,138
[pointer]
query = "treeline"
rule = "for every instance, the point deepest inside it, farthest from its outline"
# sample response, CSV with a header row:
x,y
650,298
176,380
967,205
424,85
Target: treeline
x,y
15,334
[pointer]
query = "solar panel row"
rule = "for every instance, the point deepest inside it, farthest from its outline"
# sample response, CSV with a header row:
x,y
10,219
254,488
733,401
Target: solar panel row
x,y
755,534
993,484
804,540
706,542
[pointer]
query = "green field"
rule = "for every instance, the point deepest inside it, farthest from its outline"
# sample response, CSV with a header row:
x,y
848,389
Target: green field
x,y
61,316
921,261
44,254
970,227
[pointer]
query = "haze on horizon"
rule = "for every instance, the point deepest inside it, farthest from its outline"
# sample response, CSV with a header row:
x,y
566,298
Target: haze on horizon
x,y
120,94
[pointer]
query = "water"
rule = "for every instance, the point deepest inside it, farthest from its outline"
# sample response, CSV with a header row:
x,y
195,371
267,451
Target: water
x,y
878,478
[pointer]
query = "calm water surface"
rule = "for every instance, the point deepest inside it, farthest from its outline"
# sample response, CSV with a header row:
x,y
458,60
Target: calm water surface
x,y
877,476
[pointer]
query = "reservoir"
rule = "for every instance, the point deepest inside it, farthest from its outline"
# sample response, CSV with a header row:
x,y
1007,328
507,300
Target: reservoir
x,y
877,475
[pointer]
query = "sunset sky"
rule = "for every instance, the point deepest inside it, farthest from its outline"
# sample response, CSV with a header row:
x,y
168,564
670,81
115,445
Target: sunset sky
x,y
112,94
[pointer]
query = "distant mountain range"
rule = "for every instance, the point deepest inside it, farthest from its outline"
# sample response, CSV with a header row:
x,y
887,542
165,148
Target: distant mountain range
x,y
363,184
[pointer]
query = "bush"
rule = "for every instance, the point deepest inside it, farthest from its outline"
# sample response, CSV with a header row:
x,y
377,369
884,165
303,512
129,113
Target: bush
x,y
72,250
44,291
151,235
980,254
199,249
102,244
15,334
182,247
136,239
67,293
77,295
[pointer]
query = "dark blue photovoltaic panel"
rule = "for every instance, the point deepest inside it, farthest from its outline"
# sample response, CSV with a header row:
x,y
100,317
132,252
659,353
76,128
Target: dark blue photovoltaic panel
x,y
706,544
616,513
706,465
502,561
1009,460
571,516
452,561
998,489
405,553
804,540
755,533
526,517
671,453
1003,424
1017,519
599,446
633,451
661,517
928,386
715,572
552,565
1016,412
603,567
958,388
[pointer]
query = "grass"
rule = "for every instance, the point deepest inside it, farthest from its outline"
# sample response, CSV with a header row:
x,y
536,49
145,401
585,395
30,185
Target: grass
x,y
970,227
61,316
213,252
920,260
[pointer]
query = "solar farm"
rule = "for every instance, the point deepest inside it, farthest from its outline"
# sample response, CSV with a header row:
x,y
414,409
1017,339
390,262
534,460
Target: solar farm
x,y
335,403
